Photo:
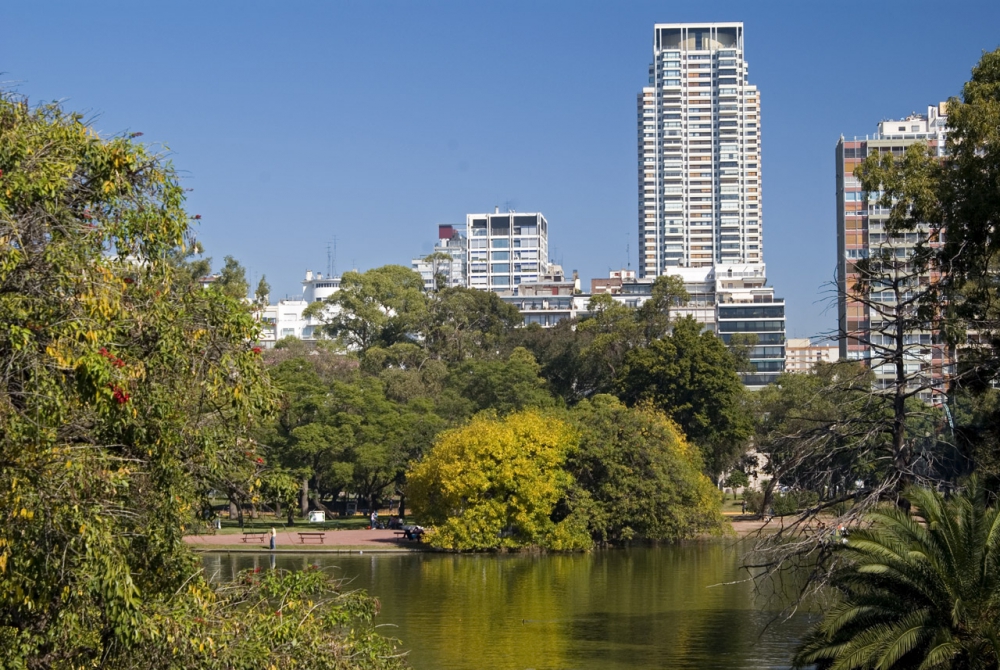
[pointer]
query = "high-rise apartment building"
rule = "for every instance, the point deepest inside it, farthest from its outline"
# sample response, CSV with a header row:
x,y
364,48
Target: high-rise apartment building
x,y
700,188
861,232
699,152
506,249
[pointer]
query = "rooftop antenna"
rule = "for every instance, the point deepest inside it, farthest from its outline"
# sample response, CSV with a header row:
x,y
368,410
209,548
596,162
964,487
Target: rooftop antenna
x,y
628,256
331,257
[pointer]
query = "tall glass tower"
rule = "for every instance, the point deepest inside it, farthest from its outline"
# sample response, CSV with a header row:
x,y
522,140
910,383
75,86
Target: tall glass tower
x,y
699,152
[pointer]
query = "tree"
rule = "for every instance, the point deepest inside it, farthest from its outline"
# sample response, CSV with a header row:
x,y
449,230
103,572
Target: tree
x,y
126,392
502,386
381,306
498,484
233,279
465,323
916,592
640,478
666,293
692,377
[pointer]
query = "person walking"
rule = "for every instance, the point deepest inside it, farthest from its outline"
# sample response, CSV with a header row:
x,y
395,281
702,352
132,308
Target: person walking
x,y
374,519
274,537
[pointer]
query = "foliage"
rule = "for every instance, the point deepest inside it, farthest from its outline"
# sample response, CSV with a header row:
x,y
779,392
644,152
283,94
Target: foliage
x,y
502,385
498,484
917,591
381,306
641,479
465,323
126,392
692,377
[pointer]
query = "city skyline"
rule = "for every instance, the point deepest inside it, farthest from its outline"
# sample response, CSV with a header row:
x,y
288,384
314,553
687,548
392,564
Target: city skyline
x,y
296,126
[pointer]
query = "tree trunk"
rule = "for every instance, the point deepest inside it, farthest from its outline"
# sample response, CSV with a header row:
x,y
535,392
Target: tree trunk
x,y
233,512
402,506
277,509
305,497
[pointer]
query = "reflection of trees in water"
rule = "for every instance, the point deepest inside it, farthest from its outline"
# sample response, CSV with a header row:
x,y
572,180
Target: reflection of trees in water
x,y
643,608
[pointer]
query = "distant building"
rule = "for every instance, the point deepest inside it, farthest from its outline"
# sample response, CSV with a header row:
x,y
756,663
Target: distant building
x,y
861,230
550,300
801,355
451,242
286,319
699,152
506,250
612,283
728,300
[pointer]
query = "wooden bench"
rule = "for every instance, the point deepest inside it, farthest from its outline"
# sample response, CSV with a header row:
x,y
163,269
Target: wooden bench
x,y
312,536
254,534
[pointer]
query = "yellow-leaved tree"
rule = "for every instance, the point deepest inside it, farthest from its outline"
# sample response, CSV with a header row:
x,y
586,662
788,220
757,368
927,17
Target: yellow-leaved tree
x,y
499,483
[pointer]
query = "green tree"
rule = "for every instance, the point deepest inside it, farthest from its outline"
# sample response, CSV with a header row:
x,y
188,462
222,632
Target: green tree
x,y
467,323
920,591
126,392
233,279
381,306
502,386
691,375
666,293
640,479
498,483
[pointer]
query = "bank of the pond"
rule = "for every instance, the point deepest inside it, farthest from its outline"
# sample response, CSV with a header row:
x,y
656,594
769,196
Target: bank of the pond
x,y
373,541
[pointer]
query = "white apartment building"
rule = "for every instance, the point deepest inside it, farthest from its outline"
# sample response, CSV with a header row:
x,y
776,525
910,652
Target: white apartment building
x,y
699,152
506,249
453,243
286,318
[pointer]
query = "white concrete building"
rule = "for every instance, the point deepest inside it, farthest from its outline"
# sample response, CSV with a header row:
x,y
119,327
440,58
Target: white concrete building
x,y
699,152
506,249
451,242
286,318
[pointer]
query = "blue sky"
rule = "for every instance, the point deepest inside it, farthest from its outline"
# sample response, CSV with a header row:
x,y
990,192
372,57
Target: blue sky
x,y
372,122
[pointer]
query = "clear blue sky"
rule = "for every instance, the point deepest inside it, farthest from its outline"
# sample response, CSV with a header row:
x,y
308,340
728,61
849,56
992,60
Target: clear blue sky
x,y
372,122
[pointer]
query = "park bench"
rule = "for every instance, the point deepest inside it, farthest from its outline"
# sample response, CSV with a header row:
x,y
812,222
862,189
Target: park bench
x,y
254,535
312,536
409,533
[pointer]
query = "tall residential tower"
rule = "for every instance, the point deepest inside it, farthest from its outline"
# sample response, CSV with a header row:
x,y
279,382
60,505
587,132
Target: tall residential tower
x,y
700,191
699,152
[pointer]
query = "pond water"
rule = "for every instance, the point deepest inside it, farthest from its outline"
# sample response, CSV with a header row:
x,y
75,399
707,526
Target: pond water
x,y
637,609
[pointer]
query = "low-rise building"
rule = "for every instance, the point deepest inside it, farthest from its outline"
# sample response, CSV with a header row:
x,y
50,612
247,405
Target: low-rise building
x,y
287,317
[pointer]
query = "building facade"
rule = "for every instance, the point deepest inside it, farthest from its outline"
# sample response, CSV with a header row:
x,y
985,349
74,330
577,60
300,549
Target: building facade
x,y
287,318
699,152
802,356
453,243
506,249
862,232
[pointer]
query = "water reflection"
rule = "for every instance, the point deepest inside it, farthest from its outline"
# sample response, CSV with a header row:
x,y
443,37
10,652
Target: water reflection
x,y
637,609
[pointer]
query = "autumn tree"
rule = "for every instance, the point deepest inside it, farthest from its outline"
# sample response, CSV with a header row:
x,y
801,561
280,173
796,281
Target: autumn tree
x,y
499,484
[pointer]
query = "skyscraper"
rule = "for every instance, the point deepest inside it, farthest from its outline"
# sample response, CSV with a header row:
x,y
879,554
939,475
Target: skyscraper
x,y
700,190
699,152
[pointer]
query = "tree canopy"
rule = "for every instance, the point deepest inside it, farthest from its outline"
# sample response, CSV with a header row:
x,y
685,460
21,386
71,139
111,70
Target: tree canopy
x,y
126,392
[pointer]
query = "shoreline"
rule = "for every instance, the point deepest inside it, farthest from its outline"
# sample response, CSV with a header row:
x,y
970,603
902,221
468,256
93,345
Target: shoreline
x,y
384,541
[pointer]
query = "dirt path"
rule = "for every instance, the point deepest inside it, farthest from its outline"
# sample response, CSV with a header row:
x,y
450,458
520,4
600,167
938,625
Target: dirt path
x,y
289,539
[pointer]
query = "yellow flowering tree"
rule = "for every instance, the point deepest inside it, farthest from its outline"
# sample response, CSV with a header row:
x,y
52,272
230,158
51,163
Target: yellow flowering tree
x,y
499,483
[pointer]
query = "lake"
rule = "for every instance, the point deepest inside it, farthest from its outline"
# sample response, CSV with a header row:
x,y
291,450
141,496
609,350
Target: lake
x,y
637,608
